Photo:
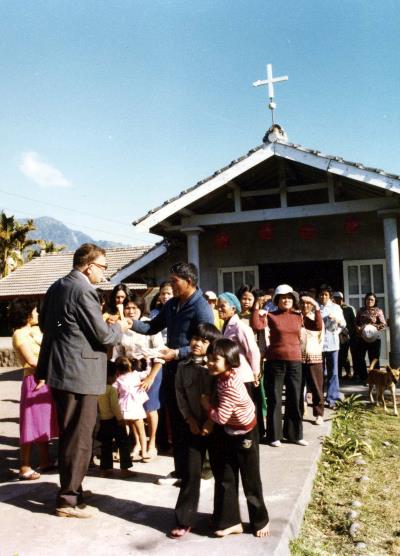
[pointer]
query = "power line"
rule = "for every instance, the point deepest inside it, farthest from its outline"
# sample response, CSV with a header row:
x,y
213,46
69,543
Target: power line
x,y
25,215
64,208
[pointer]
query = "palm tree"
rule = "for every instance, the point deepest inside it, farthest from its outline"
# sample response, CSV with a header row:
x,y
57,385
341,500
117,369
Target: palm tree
x,y
13,241
44,247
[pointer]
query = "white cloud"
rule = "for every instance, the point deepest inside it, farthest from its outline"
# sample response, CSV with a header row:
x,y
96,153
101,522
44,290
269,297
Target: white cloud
x,y
41,172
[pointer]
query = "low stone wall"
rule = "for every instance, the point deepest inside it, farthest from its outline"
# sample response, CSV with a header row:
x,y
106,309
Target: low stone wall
x,y
8,358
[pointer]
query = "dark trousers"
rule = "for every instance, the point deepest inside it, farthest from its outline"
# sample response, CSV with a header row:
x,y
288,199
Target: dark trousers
x,y
76,415
111,431
288,373
313,374
236,454
178,425
361,349
194,453
344,361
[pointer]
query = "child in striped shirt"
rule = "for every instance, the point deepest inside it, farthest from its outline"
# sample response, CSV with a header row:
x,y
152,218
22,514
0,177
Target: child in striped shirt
x,y
239,447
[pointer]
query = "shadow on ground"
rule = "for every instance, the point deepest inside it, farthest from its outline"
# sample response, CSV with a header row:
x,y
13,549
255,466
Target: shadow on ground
x,y
39,498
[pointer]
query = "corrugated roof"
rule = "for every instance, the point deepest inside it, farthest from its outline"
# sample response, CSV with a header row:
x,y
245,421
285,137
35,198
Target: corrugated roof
x,y
36,276
297,147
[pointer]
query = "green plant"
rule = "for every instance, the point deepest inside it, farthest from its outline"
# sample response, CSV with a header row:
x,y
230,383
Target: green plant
x,y
344,445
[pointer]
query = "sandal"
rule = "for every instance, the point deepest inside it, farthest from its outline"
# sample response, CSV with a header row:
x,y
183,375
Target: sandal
x,y
179,532
31,475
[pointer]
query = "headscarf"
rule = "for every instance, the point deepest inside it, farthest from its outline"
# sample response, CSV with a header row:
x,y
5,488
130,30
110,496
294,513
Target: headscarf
x,y
232,300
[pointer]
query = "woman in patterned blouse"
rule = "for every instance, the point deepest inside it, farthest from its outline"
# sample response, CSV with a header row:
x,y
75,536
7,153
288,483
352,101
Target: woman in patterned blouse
x,y
369,314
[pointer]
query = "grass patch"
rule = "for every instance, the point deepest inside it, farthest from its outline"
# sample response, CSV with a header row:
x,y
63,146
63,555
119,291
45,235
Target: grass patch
x,y
359,431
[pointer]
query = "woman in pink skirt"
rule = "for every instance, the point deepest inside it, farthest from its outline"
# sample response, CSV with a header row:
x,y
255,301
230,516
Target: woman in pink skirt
x,y
38,422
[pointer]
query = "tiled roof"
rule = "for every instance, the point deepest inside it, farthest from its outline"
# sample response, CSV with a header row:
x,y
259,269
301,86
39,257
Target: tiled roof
x,y
35,277
297,147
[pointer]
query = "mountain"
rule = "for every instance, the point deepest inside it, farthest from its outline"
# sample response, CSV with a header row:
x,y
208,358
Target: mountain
x,y
54,230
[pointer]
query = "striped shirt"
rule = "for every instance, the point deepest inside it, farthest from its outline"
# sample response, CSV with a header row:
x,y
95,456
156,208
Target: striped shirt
x,y
235,407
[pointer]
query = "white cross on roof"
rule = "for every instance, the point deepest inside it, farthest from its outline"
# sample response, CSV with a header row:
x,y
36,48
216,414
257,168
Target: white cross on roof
x,y
270,81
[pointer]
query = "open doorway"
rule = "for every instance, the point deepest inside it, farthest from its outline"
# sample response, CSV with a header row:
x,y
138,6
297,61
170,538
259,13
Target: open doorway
x,y
302,276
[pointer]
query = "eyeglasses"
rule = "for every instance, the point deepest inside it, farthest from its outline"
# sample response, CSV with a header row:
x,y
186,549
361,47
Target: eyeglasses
x,y
102,266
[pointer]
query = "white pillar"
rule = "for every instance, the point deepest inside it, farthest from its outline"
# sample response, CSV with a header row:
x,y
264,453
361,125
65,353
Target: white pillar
x,y
393,281
193,251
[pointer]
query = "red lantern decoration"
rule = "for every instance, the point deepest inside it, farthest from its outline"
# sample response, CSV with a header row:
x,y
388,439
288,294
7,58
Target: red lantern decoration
x,y
352,225
265,232
222,240
307,231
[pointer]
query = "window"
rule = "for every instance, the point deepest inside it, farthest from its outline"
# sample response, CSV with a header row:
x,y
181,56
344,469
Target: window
x,y
230,279
361,277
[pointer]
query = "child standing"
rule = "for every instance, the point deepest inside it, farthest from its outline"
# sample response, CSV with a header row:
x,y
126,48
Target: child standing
x,y
131,398
239,449
191,382
112,428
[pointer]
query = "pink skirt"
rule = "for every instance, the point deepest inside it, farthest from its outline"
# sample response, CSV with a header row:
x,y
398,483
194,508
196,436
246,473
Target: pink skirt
x,y
37,417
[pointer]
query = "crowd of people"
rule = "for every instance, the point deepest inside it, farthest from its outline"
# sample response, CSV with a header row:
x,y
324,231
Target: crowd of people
x,y
203,375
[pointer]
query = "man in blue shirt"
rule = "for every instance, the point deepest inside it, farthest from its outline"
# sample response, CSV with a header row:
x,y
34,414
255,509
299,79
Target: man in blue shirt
x,y
180,316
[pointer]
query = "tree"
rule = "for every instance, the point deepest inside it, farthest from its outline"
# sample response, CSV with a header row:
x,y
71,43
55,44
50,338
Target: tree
x,y
44,247
13,241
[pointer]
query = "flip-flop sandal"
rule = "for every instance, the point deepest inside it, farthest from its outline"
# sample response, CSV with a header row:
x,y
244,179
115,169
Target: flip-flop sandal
x,y
179,532
31,475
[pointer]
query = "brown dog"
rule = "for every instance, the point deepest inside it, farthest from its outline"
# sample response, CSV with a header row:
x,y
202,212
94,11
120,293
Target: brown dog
x,y
384,378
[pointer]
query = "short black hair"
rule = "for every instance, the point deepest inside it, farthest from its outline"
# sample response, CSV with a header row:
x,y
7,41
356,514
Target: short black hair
x,y
206,331
258,293
187,271
244,288
326,288
371,294
138,300
228,349
19,312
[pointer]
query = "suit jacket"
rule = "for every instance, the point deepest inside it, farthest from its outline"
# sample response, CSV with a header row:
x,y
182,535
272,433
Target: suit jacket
x,y
73,355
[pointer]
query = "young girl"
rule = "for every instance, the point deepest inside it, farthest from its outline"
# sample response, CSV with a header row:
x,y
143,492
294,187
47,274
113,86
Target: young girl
x,y
131,398
239,449
112,429
191,381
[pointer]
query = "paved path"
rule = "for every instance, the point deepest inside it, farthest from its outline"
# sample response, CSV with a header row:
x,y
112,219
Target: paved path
x,y
136,513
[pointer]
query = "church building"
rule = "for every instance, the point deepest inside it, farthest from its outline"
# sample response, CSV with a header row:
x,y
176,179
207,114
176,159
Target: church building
x,y
283,213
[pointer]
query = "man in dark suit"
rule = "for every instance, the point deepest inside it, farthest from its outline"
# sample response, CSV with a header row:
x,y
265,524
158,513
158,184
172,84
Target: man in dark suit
x,y
73,361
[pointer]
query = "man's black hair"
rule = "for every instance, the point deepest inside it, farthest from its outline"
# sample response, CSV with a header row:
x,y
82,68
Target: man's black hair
x,y
187,271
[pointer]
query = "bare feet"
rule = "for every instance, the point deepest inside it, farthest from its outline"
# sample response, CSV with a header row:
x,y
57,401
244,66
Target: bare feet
x,y
178,532
233,530
264,532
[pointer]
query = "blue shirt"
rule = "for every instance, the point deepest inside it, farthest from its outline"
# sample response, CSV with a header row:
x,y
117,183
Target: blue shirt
x,y
180,320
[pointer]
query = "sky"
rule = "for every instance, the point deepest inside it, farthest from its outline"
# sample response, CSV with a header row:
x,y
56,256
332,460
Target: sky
x,y
110,107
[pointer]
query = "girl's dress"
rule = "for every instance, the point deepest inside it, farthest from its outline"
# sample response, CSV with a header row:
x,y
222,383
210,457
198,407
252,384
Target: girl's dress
x,y
130,396
37,420
132,344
